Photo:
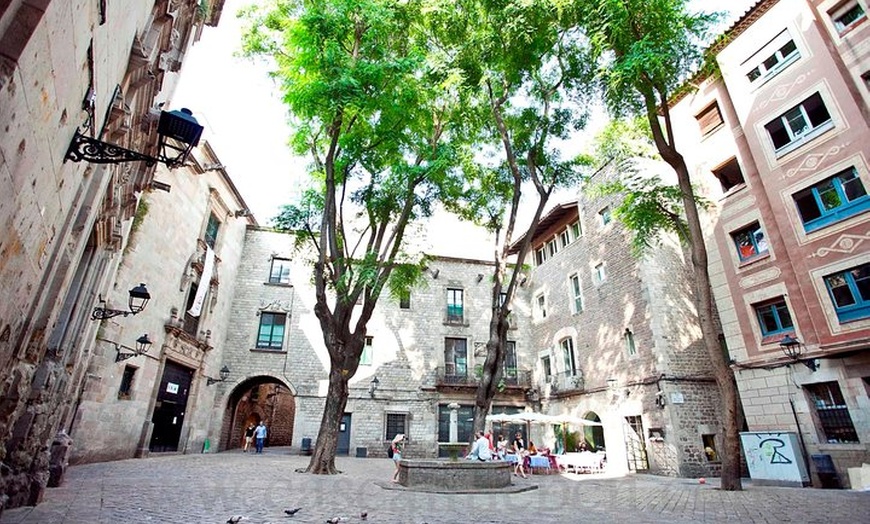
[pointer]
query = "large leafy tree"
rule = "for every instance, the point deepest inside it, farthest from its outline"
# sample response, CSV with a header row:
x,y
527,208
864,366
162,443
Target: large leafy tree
x,y
645,50
374,120
522,65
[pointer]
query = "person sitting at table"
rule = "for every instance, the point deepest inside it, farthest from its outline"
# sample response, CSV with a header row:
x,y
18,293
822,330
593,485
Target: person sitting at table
x,y
480,450
532,449
501,447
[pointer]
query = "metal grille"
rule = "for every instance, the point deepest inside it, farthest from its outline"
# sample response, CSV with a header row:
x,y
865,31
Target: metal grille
x,y
832,412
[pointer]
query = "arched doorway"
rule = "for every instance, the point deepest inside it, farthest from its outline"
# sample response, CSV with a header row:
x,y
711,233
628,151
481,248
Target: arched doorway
x,y
594,435
258,399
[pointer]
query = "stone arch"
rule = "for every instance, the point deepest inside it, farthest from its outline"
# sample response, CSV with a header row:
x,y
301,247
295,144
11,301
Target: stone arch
x,y
266,398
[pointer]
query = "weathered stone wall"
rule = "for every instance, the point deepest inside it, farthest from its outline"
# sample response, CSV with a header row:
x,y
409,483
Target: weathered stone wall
x,y
650,297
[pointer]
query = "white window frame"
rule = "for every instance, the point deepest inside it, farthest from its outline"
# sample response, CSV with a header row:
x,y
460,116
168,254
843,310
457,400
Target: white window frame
x,y
605,216
541,305
771,50
599,273
837,13
576,230
575,286
366,358
799,139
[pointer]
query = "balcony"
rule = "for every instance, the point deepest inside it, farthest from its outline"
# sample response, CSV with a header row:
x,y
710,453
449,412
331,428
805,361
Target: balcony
x,y
566,383
449,377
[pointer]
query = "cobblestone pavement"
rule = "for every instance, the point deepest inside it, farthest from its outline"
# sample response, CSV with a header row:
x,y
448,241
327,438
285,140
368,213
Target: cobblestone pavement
x,y
211,488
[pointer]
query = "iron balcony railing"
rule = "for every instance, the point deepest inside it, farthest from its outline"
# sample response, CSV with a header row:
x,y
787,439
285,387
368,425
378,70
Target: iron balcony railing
x,y
451,375
566,381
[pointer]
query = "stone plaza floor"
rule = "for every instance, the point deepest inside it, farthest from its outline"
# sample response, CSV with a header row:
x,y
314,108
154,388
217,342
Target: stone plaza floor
x,y
211,488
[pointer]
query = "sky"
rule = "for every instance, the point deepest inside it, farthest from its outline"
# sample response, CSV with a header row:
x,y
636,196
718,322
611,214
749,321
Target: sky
x,y
245,120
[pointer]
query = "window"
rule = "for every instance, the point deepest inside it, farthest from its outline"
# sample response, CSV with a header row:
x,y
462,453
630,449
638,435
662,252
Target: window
x,y
604,216
365,358
796,125
397,423
599,273
576,293
191,322
280,272
831,410
565,237
709,119
454,305
847,15
831,200
540,256
630,348
271,333
455,357
710,451
465,417
211,230
405,300
541,301
775,63
774,318
509,374
126,388
850,292
729,174
750,242
548,369
576,230
552,247
567,345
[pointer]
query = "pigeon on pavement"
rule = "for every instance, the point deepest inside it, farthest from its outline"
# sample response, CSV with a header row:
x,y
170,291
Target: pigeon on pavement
x,y
363,515
235,519
291,512
334,520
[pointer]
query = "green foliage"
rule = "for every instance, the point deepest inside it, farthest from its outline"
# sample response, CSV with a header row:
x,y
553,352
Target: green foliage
x,y
622,140
644,48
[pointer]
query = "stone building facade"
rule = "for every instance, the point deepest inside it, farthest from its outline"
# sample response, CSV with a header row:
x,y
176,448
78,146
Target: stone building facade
x,y
779,143
275,344
100,67
162,401
617,341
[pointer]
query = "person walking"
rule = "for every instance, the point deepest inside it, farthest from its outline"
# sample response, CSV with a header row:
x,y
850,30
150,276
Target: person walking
x,y
249,436
260,435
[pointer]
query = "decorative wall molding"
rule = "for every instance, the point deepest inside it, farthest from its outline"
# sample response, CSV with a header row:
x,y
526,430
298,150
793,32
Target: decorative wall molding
x,y
814,161
844,245
760,278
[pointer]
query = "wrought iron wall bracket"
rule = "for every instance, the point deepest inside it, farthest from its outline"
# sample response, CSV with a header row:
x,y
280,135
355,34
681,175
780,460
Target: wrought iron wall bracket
x,y
96,151
101,313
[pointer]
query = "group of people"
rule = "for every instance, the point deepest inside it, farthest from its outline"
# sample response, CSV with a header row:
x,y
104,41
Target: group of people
x,y
483,450
256,434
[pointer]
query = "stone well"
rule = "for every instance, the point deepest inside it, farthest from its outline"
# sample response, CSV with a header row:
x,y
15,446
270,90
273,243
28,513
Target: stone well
x,y
454,476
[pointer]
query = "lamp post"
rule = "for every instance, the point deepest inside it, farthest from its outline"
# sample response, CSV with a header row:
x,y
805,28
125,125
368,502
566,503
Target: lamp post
x,y
178,133
224,373
139,298
143,343
373,386
793,348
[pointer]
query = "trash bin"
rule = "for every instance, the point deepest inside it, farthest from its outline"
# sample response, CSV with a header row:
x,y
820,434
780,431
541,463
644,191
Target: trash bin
x,y
306,446
827,472
206,446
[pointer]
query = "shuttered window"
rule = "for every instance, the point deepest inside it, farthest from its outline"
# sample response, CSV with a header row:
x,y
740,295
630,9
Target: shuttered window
x,y
709,119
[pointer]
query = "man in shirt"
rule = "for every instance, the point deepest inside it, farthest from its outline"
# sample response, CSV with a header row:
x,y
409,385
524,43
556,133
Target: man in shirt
x,y
260,435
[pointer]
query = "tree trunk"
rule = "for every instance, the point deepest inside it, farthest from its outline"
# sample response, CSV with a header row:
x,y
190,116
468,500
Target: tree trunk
x,y
730,480
492,370
323,460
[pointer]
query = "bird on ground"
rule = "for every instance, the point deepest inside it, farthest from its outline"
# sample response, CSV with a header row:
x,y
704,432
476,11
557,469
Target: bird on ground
x,y
235,519
363,515
334,520
291,512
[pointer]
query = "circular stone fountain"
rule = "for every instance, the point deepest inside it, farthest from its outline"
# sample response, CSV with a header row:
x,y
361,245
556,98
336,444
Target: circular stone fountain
x,y
456,476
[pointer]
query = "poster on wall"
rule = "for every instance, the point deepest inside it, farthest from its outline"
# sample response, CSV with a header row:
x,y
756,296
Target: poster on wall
x,y
774,458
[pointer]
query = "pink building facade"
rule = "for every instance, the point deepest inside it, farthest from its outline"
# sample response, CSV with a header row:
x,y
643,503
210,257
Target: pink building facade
x,y
779,142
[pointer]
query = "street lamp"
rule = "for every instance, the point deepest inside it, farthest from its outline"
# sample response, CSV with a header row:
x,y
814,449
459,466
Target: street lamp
x,y
143,343
373,386
178,133
793,348
224,372
139,298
